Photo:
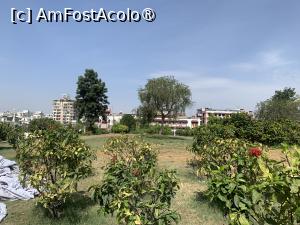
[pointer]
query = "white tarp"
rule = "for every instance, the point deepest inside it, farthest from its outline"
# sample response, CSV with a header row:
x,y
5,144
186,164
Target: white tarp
x,y
10,187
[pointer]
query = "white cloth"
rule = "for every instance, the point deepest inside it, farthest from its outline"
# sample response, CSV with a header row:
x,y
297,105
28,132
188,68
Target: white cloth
x,y
10,187
3,211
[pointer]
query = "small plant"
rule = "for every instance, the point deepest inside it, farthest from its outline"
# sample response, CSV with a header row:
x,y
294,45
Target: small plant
x,y
132,188
53,161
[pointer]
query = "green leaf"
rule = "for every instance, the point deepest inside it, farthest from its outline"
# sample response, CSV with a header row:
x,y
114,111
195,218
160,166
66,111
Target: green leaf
x,y
255,196
243,220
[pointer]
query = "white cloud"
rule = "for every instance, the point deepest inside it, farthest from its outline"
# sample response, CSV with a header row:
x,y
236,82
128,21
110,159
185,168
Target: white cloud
x,y
273,59
264,61
249,82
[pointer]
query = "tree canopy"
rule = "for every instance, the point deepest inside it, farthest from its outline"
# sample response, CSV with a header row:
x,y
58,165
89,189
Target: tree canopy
x,y
129,121
164,97
284,104
91,98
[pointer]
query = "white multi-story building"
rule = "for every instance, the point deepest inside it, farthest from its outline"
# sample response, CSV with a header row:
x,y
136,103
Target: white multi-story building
x,y
205,113
111,119
63,110
179,123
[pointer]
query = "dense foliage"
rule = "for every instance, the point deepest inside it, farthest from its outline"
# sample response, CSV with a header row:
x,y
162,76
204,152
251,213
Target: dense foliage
x,y
252,189
53,161
91,98
129,121
119,128
132,187
245,127
185,131
4,130
157,129
164,97
242,179
43,124
11,133
284,104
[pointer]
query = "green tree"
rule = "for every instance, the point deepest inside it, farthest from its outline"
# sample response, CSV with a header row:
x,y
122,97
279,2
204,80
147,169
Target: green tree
x,y
145,114
129,121
43,124
91,98
284,104
165,97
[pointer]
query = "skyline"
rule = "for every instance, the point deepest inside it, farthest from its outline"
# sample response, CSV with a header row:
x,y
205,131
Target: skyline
x,y
232,54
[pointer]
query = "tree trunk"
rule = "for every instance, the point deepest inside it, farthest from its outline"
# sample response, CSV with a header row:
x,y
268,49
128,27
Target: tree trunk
x,y
162,124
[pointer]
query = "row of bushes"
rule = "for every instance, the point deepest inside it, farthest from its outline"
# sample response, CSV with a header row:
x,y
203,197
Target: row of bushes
x,y
243,126
53,159
7,130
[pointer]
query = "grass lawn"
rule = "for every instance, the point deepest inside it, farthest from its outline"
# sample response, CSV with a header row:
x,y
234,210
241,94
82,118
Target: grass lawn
x,y
82,211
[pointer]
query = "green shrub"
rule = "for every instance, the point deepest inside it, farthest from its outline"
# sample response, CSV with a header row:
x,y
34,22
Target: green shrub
x,y
52,161
43,124
11,133
185,132
251,188
119,128
4,130
132,188
271,133
129,121
155,129
204,135
14,135
101,131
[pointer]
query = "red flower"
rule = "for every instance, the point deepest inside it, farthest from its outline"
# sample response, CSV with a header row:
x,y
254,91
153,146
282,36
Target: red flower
x,y
256,152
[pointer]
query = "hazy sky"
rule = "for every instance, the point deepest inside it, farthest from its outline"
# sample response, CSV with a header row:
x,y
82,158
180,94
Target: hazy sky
x,y
232,53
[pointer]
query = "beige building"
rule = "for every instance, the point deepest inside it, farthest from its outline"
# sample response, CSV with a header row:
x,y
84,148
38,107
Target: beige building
x,y
179,123
205,113
63,110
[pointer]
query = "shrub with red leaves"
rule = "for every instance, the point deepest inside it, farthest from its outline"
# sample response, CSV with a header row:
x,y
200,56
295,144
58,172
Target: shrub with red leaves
x,y
256,152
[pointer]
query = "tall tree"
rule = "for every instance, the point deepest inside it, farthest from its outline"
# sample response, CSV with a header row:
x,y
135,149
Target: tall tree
x,y
91,98
165,97
284,104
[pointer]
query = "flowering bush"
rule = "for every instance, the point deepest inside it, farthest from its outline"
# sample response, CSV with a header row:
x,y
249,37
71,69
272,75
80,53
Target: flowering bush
x,y
252,189
215,153
256,152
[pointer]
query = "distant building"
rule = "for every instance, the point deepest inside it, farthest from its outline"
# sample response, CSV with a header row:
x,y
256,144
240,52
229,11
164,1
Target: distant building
x,y
205,113
111,119
20,118
179,123
63,110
